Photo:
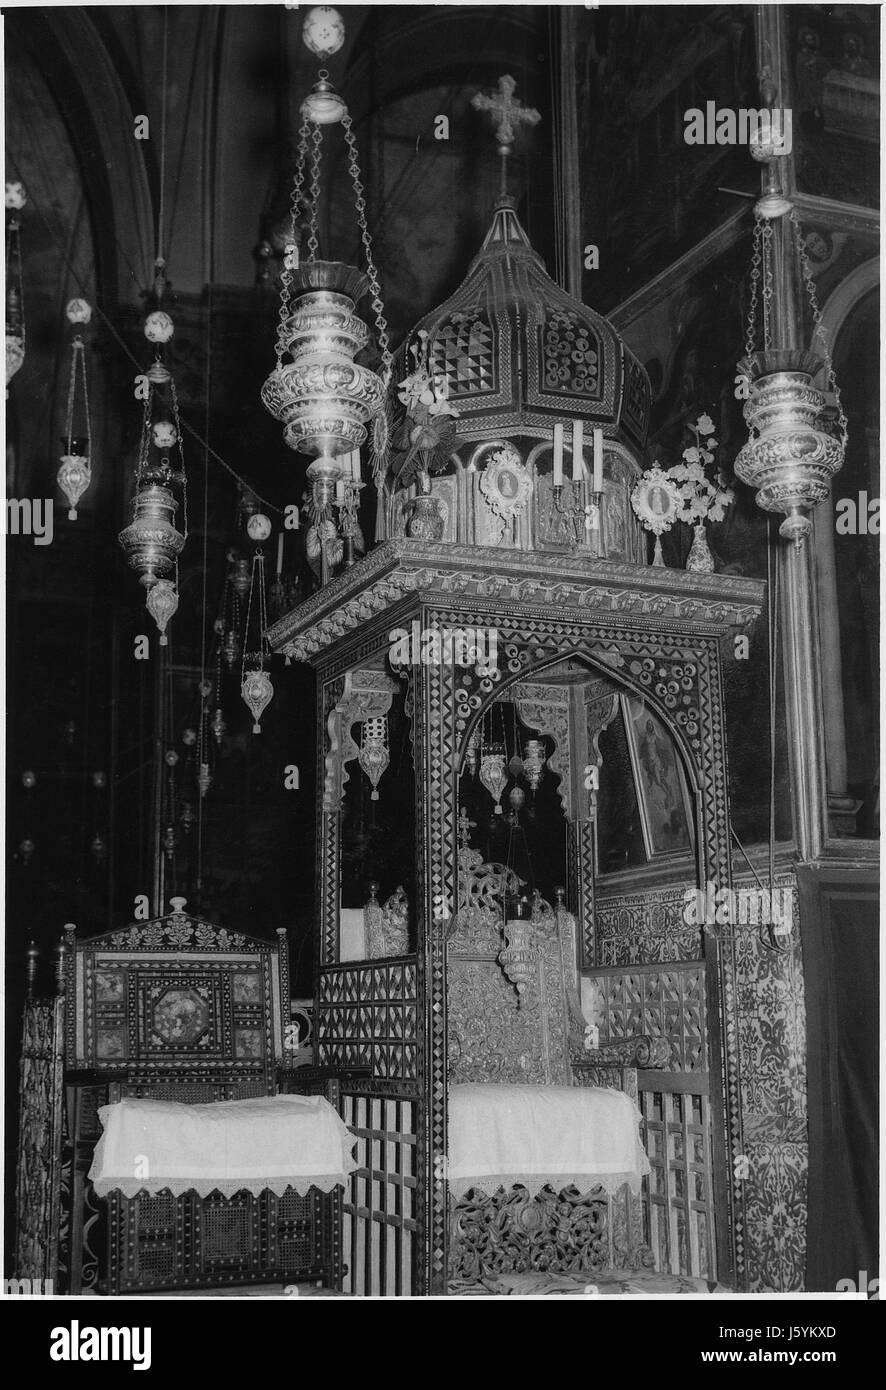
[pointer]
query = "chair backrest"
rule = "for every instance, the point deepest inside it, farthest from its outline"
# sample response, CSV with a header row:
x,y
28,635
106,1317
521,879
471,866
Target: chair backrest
x,y
178,1002
495,1033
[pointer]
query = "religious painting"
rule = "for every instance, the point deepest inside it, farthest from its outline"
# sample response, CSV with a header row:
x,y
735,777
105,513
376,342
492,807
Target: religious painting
x,y
662,792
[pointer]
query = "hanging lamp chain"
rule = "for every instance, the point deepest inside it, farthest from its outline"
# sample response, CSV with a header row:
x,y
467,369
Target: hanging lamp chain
x,y
371,272
316,153
78,372
290,252
756,262
819,329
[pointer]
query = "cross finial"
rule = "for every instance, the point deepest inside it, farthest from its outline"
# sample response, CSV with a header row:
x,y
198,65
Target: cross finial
x,y
507,114
465,825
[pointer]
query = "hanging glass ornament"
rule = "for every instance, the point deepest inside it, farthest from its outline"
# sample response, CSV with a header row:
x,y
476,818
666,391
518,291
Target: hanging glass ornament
x,y
517,797
169,841
493,773
161,603
257,692
29,780
374,756
534,759
99,780
472,753
159,327
98,849
231,648
241,577
258,527
204,779
15,311
189,737
218,726
26,849
187,817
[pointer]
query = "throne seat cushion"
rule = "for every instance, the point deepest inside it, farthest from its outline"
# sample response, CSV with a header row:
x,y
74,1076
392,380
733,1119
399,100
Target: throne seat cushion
x,y
229,1146
537,1135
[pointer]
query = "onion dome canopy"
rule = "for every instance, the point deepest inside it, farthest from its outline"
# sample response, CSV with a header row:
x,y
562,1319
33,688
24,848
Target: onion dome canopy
x,y
517,352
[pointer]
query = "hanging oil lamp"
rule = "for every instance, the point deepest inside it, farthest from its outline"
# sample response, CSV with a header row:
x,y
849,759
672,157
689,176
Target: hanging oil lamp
x,y
493,772
793,450
161,603
256,687
152,542
323,397
534,758
75,471
374,756
517,956
16,198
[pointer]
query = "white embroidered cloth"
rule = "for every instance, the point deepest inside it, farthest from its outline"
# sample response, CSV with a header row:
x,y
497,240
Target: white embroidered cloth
x,y
563,1135
269,1142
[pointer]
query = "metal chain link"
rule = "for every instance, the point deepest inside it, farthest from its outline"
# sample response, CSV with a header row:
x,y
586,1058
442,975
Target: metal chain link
x,y
750,336
313,239
768,284
289,251
381,323
820,331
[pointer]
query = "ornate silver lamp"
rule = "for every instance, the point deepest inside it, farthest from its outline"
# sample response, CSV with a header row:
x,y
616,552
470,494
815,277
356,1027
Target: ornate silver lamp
x,y
794,447
152,541
325,399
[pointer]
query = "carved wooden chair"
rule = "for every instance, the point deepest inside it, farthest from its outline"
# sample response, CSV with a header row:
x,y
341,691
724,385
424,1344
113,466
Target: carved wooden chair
x,y
543,1041
179,1010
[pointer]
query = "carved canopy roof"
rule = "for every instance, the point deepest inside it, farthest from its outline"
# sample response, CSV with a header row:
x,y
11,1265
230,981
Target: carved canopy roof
x,y
518,352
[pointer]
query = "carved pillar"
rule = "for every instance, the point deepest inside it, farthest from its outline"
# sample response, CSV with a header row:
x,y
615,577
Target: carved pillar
x,y
798,614
841,806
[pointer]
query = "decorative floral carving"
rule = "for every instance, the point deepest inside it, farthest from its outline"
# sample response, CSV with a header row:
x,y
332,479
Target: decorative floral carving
x,y
514,1230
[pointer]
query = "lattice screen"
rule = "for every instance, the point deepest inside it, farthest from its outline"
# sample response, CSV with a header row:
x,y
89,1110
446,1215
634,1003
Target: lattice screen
x,y
379,1211
678,1198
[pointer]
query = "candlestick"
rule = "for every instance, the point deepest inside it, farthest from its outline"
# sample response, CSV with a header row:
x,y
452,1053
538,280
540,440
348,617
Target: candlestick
x,y
598,461
578,442
558,455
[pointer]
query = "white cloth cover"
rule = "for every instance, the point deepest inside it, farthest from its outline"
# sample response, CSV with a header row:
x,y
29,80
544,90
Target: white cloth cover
x,y
563,1135
269,1142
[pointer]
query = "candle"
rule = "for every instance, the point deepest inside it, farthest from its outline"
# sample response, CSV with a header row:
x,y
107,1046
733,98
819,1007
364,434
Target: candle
x,y
578,444
355,465
598,461
279,554
340,490
558,455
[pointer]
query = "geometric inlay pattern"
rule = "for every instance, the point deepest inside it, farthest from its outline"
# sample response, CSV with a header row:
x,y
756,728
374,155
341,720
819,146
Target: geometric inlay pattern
x,y
366,1016
570,355
662,1003
462,351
